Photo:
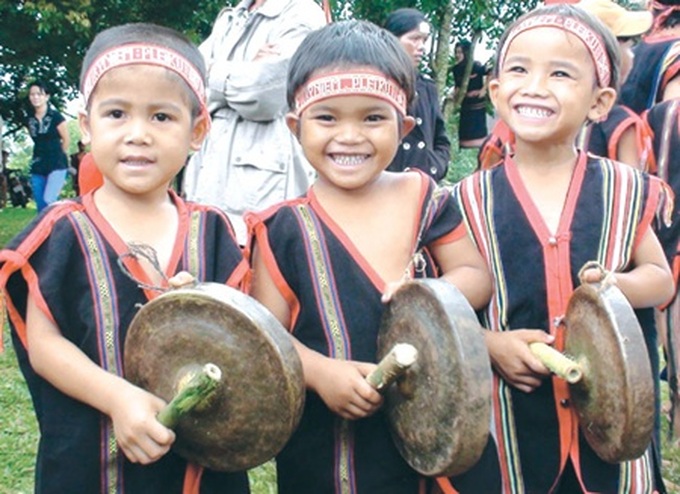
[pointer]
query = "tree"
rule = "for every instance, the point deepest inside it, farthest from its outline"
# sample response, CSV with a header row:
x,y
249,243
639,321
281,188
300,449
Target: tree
x,y
47,39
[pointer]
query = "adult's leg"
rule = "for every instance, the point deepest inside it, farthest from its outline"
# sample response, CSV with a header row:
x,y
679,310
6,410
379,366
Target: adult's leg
x,y
39,182
55,182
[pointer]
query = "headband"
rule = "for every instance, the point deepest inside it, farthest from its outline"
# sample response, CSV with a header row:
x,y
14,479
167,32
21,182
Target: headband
x,y
373,84
145,54
587,35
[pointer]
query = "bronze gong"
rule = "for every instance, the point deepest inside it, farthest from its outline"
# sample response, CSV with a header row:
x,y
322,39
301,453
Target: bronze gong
x,y
439,410
259,402
615,398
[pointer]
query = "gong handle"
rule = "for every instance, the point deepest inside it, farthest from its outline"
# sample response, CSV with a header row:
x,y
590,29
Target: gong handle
x,y
394,364
196,389
561,365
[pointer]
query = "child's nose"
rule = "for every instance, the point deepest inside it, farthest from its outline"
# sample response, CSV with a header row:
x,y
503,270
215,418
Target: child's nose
x,y
348,132
535,84
137,132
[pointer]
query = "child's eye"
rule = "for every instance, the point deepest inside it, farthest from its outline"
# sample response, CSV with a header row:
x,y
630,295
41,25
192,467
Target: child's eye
x,y
115,114
324,117
516,68
561,73
162,117
375,118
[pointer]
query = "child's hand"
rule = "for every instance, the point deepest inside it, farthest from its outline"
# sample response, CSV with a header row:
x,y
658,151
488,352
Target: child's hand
x,y
141,437
513,360
181,279
595,275
343,387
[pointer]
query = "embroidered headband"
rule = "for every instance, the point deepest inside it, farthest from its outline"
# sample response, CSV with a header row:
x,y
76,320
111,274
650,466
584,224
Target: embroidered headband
x,y
145,54
373,84
590,38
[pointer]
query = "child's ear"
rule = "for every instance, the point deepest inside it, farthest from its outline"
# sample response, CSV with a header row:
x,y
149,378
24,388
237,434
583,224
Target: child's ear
x,y
407,124
293,123
84,124
602,103
493,91
199,130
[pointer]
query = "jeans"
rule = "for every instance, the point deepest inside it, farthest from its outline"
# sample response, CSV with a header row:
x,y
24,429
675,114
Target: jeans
x,y
46,188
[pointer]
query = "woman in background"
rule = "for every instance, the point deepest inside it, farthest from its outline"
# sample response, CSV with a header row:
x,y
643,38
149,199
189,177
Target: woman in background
x,y
49,165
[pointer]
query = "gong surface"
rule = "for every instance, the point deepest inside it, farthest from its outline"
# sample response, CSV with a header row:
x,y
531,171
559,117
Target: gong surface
x,y
440,414
259,403
615,399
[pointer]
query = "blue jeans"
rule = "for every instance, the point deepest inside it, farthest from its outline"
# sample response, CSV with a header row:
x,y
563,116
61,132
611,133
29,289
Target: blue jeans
x,y
46,188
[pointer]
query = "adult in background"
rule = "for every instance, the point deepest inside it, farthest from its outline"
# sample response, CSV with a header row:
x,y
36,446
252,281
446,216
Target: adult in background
x,y
47,128
426,147
653,77
250,160
472,128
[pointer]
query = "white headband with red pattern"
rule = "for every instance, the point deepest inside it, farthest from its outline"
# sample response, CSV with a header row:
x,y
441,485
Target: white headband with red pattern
x,y
355,83
590,39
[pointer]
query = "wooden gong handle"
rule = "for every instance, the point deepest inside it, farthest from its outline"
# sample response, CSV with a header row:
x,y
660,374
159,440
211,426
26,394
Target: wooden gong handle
x,y
394,364
561,365
196,389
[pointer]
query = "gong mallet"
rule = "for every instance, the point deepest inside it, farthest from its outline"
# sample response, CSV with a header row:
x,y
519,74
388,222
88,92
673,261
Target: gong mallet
x,y
392,366
560,365
195,390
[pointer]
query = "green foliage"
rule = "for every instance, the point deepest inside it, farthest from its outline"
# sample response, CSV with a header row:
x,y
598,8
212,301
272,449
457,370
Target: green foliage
x,y
46,40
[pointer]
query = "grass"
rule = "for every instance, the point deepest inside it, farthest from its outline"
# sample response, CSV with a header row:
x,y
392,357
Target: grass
x,y
18,429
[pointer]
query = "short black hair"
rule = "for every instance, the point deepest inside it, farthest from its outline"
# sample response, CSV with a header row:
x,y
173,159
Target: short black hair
x,y
347,44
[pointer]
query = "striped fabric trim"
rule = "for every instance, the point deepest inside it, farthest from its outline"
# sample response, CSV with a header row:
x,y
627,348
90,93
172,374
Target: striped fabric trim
x,y
474,196
336,334
636,476
104,297
194,246
623,202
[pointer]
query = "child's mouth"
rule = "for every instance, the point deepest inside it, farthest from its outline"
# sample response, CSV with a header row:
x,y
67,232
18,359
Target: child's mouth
x,y
349,160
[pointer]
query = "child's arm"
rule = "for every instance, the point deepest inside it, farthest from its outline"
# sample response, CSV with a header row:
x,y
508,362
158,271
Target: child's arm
x,y
341,384
650,282
133,411
463,265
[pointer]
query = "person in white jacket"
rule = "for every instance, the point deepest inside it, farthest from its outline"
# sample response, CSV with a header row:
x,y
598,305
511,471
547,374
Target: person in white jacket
x,y
250,160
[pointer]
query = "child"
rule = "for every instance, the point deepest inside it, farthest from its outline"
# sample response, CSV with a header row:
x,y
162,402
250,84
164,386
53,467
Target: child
x,y
70,304
323,261
538,219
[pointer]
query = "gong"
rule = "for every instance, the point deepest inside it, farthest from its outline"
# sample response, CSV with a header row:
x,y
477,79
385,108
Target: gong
x,y
615,398
439,410
259,401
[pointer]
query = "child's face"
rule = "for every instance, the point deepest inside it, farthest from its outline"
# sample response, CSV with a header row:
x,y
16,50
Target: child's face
x,y
545,95
349,140
140,127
